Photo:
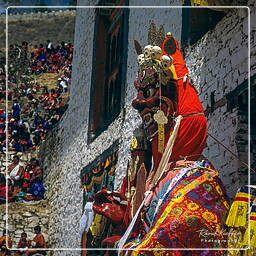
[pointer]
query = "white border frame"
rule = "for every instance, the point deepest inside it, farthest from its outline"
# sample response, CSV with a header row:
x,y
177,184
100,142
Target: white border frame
x,y
133,7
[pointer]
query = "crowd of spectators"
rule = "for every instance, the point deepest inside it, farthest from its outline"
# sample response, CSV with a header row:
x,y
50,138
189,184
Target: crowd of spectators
x,y
34,109
37,60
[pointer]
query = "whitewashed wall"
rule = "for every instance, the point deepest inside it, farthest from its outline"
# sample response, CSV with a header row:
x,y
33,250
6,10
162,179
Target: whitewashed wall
x,y
219,63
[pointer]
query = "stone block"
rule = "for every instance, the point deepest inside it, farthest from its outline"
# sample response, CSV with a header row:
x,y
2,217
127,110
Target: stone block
x,y
27,214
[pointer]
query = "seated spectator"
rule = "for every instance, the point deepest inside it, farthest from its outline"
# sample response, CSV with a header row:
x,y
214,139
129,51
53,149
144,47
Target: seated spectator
x,y
41,49
33,180
49,46
25,140
37,243
55,118
2,123
16,110
15,171
4,241
64,85
39,134
26,179
3,189
34,51
46,125
36,172
23,244
16,145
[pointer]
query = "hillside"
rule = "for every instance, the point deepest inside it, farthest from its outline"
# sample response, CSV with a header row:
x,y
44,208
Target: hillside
x,y
36,28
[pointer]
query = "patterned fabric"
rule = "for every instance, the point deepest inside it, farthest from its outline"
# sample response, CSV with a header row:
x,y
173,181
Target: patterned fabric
x,y
237,216
100,174
244,238
191,215
37,190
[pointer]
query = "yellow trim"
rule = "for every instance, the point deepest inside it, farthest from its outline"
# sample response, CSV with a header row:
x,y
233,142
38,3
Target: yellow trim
x,y
241,194
172,68
199,2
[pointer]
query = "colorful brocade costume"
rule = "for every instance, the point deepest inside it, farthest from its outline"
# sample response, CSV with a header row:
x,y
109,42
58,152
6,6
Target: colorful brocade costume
x,y
191,215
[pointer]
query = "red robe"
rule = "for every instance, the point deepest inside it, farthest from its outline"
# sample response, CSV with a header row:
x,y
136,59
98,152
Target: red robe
x,y
37,174
40,243
192,133
23,244
3,245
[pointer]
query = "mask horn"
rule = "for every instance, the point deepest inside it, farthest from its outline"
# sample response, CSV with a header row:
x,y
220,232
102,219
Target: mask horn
x,y
138,47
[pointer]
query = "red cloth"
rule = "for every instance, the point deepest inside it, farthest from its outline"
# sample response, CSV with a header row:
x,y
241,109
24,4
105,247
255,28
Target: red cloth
x,y
178,60
37,174
193,129
191,138
188,100
23,244
110,241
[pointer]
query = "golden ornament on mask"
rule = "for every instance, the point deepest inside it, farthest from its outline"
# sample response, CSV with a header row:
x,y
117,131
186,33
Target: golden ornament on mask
x,y
134,143
161,120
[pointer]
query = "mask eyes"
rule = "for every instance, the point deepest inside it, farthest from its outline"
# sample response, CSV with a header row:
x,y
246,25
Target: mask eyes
x,y
146,93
